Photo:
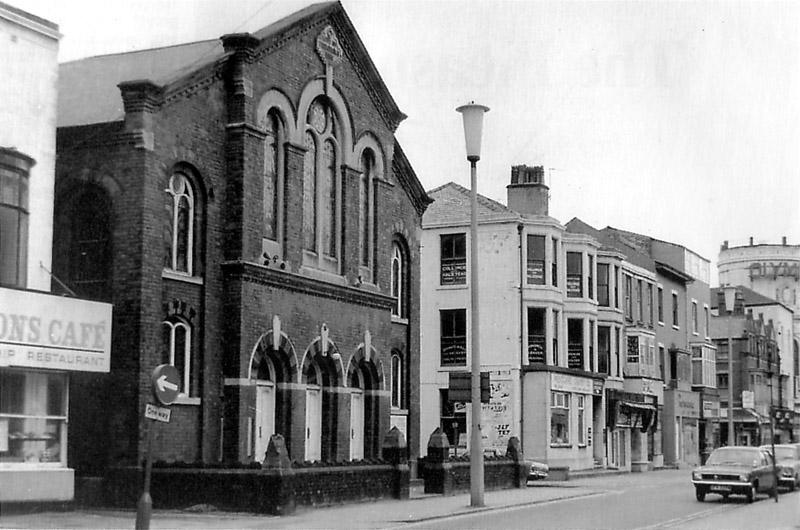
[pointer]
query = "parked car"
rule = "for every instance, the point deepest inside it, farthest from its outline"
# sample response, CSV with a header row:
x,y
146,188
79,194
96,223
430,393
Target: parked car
x,y
538,470
737,470
787,460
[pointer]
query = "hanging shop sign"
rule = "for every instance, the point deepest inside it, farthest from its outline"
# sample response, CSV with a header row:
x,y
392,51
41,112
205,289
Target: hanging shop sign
x,y
40,330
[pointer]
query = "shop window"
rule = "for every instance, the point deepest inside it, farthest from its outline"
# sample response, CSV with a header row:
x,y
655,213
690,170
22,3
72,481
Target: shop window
x,y
14,171
321,184
574,274
575,343
453,326
602,284
559,418
177,336
274,177
399,281
535,268
397,382
581,420
453,266
536,335
33,414
453,418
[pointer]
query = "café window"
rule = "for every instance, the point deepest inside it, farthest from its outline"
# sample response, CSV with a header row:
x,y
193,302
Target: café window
x,y
33,415
536,260
602,284
574,274
453,266
559,418
536,335
575,343
453,326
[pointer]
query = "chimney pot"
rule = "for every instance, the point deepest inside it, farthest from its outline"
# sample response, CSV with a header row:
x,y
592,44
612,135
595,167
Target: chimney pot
x,y
751,241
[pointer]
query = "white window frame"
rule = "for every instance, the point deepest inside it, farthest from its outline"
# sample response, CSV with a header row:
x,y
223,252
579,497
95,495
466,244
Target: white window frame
x,y
397,280
397,382
176,198
184,371
560,400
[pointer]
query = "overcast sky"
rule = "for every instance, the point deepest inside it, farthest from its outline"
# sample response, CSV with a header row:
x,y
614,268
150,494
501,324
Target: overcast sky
x,y
677,120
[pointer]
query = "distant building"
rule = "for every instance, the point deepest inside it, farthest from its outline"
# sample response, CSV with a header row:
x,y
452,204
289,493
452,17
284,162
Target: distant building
x,y
245,205
772,270
46,341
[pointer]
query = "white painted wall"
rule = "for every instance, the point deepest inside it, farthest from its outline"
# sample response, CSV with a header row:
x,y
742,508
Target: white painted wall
x,y
29,67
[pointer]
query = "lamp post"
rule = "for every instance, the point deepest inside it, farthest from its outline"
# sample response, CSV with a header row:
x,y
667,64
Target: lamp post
x,y
730,302
770,375
472,115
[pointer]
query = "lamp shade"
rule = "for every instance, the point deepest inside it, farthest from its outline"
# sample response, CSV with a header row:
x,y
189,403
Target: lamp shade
x,y
472,114
730,297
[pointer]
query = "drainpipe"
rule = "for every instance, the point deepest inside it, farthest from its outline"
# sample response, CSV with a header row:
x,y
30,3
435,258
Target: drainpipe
x,y
521,402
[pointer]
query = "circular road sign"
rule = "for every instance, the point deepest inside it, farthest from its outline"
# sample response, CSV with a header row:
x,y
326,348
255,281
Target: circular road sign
x,y
166,383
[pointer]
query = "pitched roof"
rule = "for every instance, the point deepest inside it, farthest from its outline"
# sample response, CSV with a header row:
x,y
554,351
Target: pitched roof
x,y
88,91
451,205
751,297
608,241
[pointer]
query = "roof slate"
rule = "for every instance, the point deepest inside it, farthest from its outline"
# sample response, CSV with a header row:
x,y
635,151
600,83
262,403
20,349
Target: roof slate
x,y
451,205
87,88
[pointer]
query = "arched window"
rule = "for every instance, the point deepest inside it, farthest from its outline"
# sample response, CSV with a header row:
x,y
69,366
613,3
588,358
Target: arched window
x,y
274,177
177,336
179,229
365,210
321,188
397,381
399,277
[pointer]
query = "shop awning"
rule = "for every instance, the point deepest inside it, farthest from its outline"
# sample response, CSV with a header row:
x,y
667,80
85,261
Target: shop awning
x,y
638,406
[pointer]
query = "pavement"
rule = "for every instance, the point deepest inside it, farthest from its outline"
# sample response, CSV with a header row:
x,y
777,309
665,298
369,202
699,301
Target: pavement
x,y
378,514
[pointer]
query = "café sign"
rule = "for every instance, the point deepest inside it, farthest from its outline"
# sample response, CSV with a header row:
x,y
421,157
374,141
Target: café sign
x,y
40,330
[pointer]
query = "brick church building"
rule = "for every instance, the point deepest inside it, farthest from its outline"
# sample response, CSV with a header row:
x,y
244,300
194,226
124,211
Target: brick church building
x,y
245,206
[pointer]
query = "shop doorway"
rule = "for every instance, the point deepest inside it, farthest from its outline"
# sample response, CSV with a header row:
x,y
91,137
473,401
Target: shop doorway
x,y
265,417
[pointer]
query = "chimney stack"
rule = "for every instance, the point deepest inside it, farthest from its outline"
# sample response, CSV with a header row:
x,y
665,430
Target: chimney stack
x,y
784,241
751,241
527,193
724,245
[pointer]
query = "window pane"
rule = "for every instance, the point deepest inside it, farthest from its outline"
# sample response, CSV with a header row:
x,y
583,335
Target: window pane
x,y
183,248
574,274
575,343
271,178
536,259
10,249
453,337
367,164
602,284
536,335
309,195
328,193
181,361
453,265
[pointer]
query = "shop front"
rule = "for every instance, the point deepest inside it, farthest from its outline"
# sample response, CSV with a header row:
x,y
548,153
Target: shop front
x,y
558,419
630,418
43,338
682,427
709,431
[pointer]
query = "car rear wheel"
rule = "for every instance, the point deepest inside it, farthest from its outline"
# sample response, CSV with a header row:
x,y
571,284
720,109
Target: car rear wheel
x,y
751,493
699,494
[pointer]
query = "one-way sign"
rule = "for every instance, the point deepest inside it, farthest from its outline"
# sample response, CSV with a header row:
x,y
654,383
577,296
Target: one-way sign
x,y
166,383
157,413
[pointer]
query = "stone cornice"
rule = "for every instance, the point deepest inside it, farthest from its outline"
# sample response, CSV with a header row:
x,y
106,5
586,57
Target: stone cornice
x,y
254,273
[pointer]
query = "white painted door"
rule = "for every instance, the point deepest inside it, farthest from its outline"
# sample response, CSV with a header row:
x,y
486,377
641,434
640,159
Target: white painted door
x,y
356,426
265,418
313,424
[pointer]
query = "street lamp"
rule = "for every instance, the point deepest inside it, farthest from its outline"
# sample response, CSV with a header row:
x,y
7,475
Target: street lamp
x,y
730,302
472,114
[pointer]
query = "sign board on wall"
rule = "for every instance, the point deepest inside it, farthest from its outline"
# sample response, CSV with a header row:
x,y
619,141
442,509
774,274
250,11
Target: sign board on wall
x,y
497,415
571,383
40,330
748,399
